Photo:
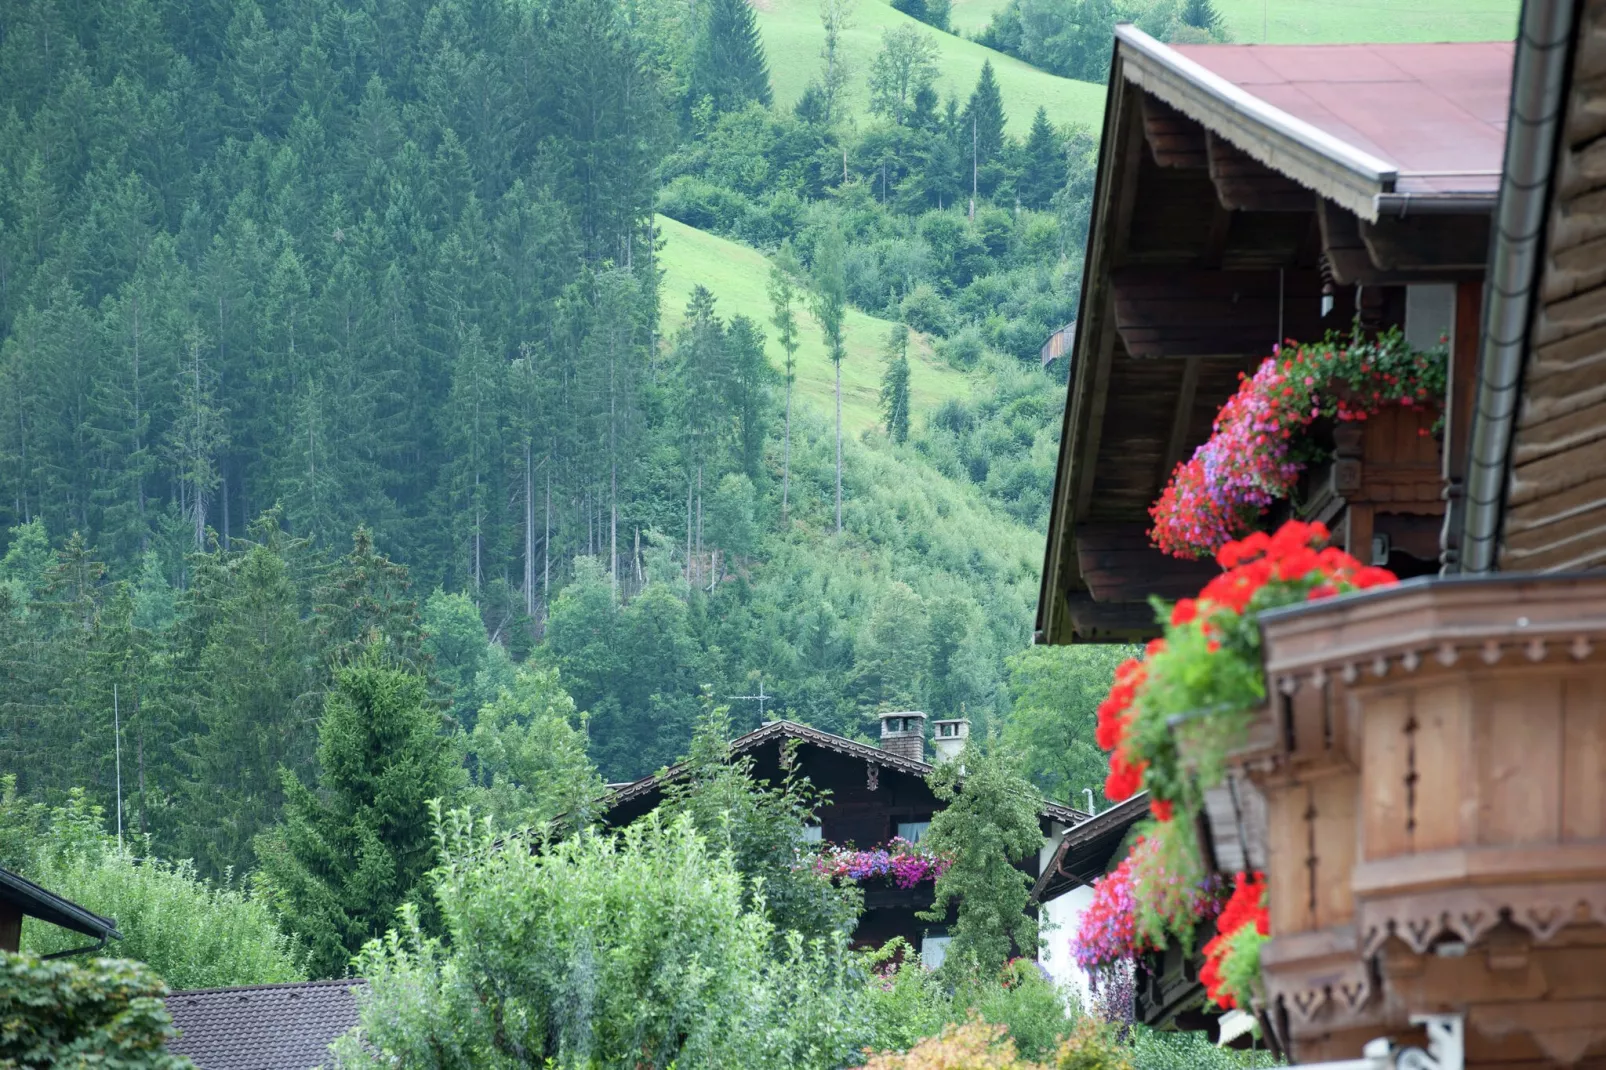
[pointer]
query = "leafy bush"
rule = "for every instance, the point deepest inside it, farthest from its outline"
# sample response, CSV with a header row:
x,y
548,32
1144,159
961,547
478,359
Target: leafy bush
x,y
628,950
925,310
906,1001
1153,1050
107,1014
191,932
701,204
1026,1003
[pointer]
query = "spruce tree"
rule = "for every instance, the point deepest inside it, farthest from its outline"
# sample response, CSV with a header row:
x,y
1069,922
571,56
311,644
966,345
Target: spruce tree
x,y
895,386
1044,173
1202,15
984,117
349,853
728,66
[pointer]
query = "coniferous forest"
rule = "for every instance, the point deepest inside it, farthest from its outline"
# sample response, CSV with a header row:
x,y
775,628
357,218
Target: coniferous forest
x,y
322,319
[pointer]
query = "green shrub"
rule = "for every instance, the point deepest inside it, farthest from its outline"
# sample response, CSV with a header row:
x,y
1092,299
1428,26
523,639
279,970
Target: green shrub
x,y
1028,1004
701,204
925,310
628,950
106,1013
191,932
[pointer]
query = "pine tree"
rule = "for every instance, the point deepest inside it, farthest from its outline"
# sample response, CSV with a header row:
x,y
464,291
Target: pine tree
x,y
347,855
1044,171
783,295
984,117
830,309
728,65
747,388
895,386
1202,15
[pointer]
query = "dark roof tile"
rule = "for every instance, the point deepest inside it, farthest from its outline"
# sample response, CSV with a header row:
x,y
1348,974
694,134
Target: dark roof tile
x,y
263,1027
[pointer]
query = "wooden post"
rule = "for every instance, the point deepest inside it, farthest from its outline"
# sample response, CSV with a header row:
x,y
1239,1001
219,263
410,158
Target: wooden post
x,y
10,928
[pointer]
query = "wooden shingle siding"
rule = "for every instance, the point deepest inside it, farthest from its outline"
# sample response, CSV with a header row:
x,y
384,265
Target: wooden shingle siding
x,y
1556,502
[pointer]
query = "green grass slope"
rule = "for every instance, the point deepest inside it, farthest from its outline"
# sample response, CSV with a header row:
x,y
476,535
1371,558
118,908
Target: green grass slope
x,y
1339,21
793,38
738,277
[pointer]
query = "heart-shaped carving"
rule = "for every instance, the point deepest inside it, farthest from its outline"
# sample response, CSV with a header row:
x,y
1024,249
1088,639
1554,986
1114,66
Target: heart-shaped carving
x,y
1307,1002
1472,924
1354,993
1544,920
1373,939
1419,932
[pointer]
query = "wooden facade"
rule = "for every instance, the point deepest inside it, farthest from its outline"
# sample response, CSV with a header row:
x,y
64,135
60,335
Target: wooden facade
x,y
1222,227
871,791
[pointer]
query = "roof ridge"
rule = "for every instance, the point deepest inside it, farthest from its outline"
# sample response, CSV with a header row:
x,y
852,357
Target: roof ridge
x,y
346,982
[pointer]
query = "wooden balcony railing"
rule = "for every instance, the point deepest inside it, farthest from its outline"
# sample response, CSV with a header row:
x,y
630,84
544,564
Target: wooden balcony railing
x,y
1433,763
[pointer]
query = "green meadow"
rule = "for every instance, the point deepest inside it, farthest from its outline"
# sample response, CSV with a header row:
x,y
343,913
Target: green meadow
x,y
738,277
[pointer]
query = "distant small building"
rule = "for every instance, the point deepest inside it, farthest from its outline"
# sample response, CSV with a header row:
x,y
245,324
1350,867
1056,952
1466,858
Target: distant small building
x,y
876,793
263,1027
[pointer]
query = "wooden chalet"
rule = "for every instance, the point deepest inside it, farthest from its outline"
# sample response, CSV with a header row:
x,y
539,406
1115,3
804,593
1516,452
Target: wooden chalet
x,y
1247,195
875,793
1426,787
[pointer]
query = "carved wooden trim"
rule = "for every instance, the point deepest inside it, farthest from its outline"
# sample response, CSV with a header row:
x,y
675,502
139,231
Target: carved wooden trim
x,y
1468,914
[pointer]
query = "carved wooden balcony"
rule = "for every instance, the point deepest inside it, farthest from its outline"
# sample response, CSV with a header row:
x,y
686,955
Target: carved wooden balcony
x,y
1433,763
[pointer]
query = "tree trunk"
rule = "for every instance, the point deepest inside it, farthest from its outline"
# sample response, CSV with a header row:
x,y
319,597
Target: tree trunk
x,y
529,535
786,452
839,447
699,517
688,530
546,550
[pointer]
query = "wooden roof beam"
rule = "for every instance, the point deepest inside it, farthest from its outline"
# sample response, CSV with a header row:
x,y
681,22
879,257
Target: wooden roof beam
x,y
1165,313
1174,139
1245,184
1398,251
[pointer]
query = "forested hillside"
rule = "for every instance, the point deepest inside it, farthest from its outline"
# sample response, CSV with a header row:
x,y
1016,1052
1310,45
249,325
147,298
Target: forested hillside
x,y
275,274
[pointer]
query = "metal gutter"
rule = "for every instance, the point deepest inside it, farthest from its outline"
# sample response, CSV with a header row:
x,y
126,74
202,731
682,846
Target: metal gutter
x,y
1252,107
1538,99
1405,204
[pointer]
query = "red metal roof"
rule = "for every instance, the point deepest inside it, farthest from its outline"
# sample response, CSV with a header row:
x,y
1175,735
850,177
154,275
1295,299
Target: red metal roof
x,y
1436,111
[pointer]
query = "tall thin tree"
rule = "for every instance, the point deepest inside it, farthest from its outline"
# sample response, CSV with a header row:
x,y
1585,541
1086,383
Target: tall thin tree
x,y
783,295
830,309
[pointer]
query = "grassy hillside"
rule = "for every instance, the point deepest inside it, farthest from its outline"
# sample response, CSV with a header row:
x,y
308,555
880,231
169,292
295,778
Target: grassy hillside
x,y
793,38
1320,21
738,276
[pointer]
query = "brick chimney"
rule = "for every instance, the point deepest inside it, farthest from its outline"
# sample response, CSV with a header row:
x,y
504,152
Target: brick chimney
x,y
904,734
951,735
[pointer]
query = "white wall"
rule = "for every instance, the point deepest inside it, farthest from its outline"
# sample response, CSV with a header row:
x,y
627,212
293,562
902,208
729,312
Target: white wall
x,y
1060,917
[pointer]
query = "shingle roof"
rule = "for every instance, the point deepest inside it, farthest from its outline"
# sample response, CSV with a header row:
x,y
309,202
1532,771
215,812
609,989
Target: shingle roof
x,y
263,1027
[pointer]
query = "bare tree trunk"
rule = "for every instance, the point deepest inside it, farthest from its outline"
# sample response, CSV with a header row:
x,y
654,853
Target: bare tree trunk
x,y
688,530
529,535
786,453
546,550
699,518
839,447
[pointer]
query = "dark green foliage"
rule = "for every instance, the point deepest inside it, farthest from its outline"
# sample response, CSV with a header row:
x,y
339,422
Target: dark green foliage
x,y
761,825
1043,173
984,117
347,855
1055,692
728,68
989,824
1202,15
895,386
931,12
68,1015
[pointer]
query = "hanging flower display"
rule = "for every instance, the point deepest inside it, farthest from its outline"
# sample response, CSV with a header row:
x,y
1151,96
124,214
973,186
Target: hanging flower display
x,y
1232,958
900,861
1256,451
1171,718
1112,929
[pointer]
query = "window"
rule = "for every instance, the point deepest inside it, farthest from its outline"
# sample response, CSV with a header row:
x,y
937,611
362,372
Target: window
x,y
812,833
913,830
933,950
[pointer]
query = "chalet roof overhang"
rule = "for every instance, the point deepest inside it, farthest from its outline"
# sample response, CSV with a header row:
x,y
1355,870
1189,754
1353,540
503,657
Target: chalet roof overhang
x,y
1219,224
32,901
777,733
1086,852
